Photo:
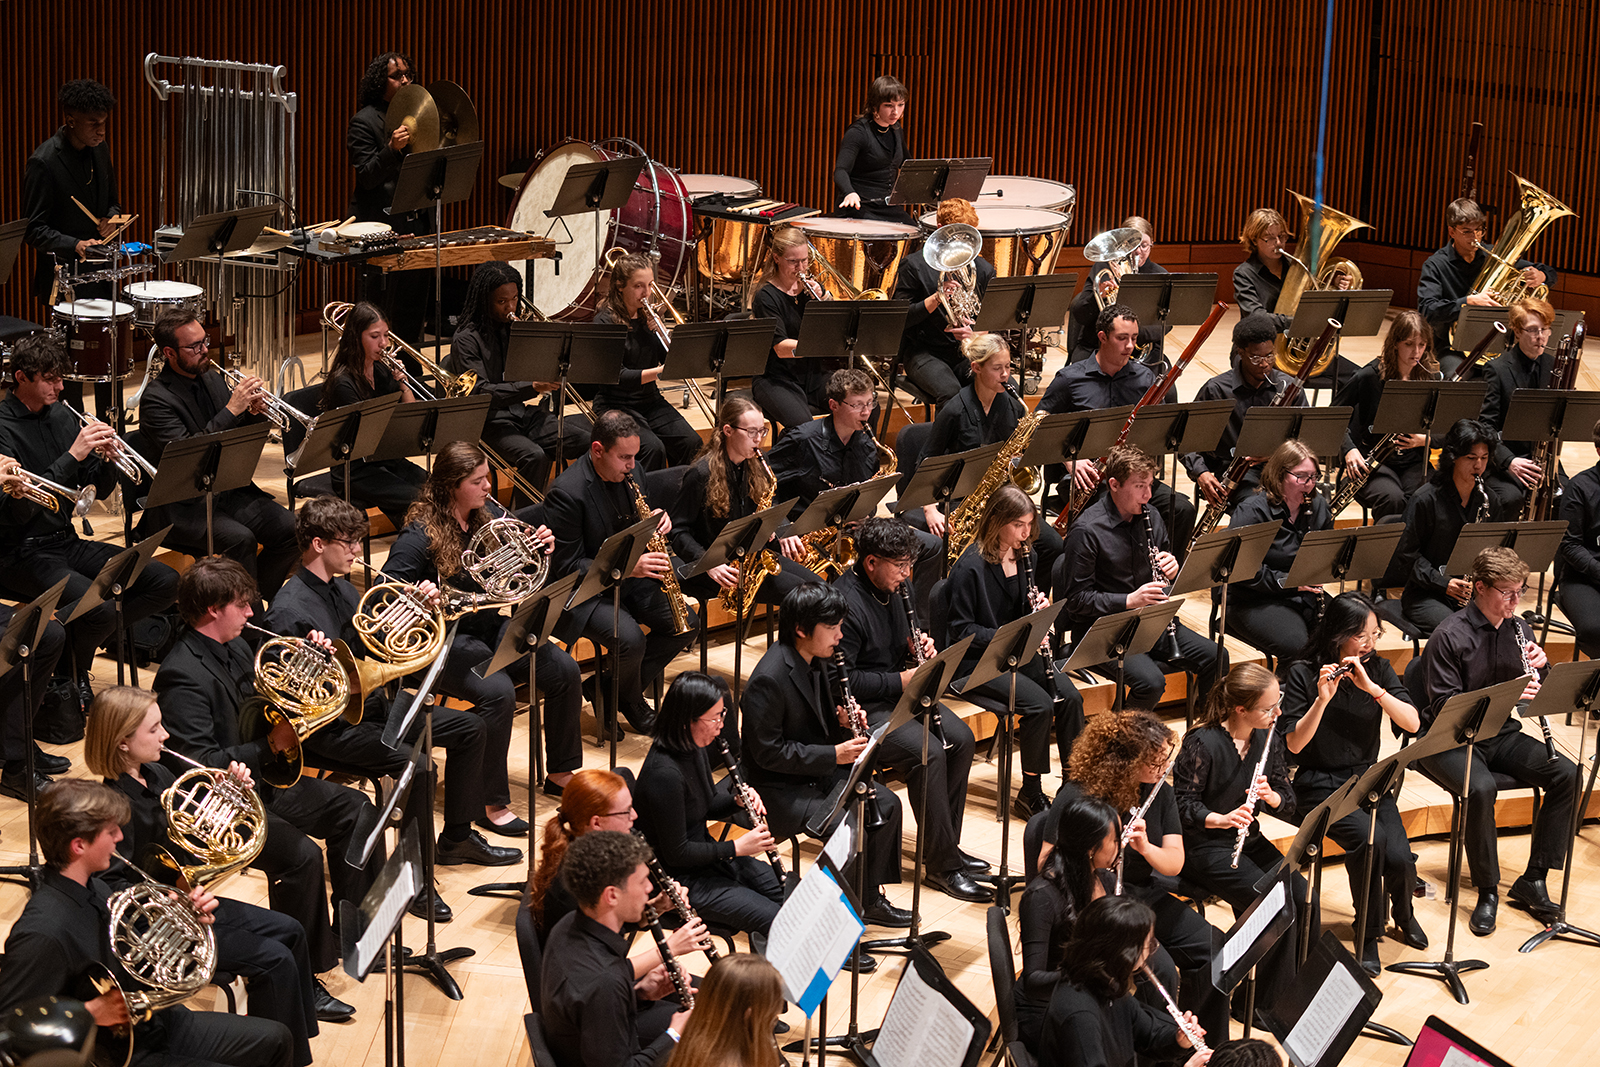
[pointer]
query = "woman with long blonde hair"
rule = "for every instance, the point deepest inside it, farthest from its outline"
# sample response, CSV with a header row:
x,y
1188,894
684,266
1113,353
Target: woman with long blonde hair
x,y
792,389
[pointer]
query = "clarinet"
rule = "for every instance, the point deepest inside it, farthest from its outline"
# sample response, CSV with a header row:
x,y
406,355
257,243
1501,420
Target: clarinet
x,y
852,707
1135,814
917,658
680,903
1483,508
745,794
1251,796
1191,1032
1036,601
1525,649
1169,638
680,981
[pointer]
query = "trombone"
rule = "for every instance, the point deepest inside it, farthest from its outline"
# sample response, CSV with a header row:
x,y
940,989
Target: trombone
x,y
133,466
451,385
43,491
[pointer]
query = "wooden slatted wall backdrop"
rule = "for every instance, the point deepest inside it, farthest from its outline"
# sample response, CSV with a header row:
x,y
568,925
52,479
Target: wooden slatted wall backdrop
x,y
1190,114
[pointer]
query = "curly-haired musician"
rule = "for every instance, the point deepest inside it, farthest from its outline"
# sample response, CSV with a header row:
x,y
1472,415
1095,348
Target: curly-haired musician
x,y
931,346
73,163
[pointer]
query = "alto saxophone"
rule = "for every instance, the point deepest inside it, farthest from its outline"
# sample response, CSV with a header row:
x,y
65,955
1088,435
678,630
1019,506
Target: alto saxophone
x,y
830,548
963,521
764,563
669,579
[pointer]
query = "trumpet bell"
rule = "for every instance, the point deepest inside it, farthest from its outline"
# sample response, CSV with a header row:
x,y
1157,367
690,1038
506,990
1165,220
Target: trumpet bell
x,y
952,247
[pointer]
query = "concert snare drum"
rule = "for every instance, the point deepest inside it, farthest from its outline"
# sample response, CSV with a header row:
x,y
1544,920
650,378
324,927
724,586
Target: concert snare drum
x,y
658,218
150,299
97,338
726,249
1018,240
865,253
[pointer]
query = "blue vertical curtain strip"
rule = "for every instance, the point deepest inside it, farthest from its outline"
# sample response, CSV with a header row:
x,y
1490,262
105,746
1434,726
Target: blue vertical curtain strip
x,y
1313,239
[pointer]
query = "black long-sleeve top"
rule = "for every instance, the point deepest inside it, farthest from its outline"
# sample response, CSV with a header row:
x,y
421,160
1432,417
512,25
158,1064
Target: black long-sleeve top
x,y
926,331
148,823
1505,374
868,159
201,685
343,389
1445,283
55,173
1580,545
810,458
41,442
1083,314
963,425
694,527
1210,776
1348,737
1434,517
770,302
875,640
1085,386
1256,288
1258,507
1362,392
641,351
377,167
589,1005
1045,917
1108,557
983,599
484,354
188,407
307,602
1468,652
410,559
675,796
1082,1030
1230,385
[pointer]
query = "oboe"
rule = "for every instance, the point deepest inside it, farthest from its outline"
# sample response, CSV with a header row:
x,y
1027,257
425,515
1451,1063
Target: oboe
x,y
1190,1031
680,903
917,656
680,981
1251,796
1140,812
852,707
746,794
1525,649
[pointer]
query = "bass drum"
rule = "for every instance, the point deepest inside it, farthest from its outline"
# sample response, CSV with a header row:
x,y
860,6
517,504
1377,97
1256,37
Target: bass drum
x,y
658,219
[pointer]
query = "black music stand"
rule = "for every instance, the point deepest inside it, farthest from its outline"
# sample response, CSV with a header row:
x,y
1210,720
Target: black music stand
x,y
1464,718
1236,953
531,625
220,233
719,350
840,506
1360,311
364,928
870,329
1330,986
1535,542
422,427
1423,407
1354,555
1113,638
1178,429
206,465
11,235
1222,557
1476,323
1365,793
1168,300
1068,436
1321,429
613,563
740,544
928,181
344,435
1569,688
119,572
17,646
1012,647
1305,853
599,186
1026,302
943,480
566,352
1551,416
430,180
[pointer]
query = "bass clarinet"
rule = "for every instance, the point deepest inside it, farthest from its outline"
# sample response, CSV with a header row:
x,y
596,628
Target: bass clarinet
x,y
1251,797
746,794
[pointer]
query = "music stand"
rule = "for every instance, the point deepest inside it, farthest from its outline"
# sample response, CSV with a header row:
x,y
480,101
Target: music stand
x,y
1321,429
1354,555
1422,407
1178,429
1535,542
1476,323
870,329
531,625
1537,416
376,920
1464,718
599,186
206,465
17,646
1168,300
928,181
118,573
11,235
613,563
1365,793
1329,987
1067,436
841,505
220,233
1568,688
432,180
344,435
1236,953
1012,647
421,427
719,350
1026,302
943,480
739,545
1223,557
566,352
1113,638
1360,312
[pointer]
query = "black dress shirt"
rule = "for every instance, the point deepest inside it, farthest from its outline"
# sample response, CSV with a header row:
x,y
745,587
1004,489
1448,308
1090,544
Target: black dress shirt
x,y
1084,386
1580,545
148,824
875,640
770,302
1349,735
1504,375
694,527
963,425
307,602
1258,507
377,166
1082,1030
1256,288
1210,776
1362,392
1084,315
982,599
589,1006
484,354
1445,283
810,458
41,441
1434,517
1108,557
175,407
1230,385
54,175
675,797
1468,652
926,331
869,157
642,350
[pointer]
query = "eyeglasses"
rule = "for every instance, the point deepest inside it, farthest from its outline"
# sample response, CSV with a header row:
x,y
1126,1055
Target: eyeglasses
x,y
197,348
718,717
1303,479
864,408
618,814
755,433
1535,331
1470,230
1258,361
1271,709
898,564
1510,596
352,543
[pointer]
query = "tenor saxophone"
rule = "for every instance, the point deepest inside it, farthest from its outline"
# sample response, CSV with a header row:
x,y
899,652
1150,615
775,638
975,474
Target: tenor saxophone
x,y
669,579
763,563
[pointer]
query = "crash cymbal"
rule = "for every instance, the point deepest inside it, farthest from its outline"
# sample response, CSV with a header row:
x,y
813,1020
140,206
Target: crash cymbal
x,y
458,120
414,108
512,181
266,244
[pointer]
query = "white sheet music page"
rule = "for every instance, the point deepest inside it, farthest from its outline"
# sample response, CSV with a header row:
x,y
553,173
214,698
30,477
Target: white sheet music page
x,y
1324,1016
922,1028
811,936
1260,919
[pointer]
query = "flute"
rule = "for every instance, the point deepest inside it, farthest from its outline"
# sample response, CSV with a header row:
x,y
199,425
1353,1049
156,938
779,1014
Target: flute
x,y
1251,796
746,794
1138,813
1192,1032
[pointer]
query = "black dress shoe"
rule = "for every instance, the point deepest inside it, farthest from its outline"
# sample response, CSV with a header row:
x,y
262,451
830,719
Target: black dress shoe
x,y
1369,960
959,884
1482,921
15,784
1530,893
551,789
1411,931
330,1009
517,827
869,963
645,726
441,910
45,763
475,850
882,913
1029,802
973,864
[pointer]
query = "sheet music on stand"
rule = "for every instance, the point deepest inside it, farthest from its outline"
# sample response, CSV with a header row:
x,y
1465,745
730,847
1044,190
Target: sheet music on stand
x,y
930,1023
366,929
1320,1015
813,933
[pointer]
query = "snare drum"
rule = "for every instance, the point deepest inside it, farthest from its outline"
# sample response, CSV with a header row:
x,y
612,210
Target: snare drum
x,y
150,299
1018,240
865,253
725,249
657,217
97,338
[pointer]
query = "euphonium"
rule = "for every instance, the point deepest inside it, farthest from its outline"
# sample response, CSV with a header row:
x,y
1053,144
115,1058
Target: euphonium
x,y
304,685
762,564
215,817
1336,225
1500,277
950,250
1119,250
669,578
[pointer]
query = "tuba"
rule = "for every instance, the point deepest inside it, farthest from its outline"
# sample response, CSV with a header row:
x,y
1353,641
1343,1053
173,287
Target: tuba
x,y
1119,250
1500,277
1336,225
951,250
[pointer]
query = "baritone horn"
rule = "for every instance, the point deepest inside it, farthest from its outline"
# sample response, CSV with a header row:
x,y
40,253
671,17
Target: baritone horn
x,y
1118,249
950,250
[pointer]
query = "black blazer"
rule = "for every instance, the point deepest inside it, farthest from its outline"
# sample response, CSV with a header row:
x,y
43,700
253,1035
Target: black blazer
x,y
978,605
788,739
167,413
581,515
200,699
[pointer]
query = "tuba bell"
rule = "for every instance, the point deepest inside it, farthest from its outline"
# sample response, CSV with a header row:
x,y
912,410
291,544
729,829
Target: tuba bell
x,y
1500,277
1336,225
950,250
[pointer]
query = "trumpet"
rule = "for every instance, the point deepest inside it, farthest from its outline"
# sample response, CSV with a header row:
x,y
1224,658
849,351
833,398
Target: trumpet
x,y
133,466
43,491
279,411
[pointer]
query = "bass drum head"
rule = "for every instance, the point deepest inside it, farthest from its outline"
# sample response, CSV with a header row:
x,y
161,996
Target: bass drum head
x,y
559,296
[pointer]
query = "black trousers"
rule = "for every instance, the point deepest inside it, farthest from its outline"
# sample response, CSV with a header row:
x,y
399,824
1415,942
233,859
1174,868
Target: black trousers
x,y
1393,871
241,520
18,709
336,814
789,402
35,566
1580,602
1279,625
944,777
200,1038
740,894
934,377
268,951
292,863
639,658
1524,759
1037,713
791,808
1506,492
494,701
1145,674
1206,865
1425,609
390,485
1386,491
665,437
